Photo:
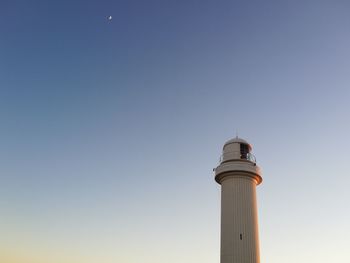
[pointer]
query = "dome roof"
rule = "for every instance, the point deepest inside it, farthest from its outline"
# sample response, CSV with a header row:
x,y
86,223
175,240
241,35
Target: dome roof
x,y
237,140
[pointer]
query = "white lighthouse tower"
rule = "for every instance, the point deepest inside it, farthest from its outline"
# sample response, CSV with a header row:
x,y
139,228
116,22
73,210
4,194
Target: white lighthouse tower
x,y
238,175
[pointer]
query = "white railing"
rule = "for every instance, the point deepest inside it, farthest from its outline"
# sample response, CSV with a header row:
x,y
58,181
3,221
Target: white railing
x,y
247,156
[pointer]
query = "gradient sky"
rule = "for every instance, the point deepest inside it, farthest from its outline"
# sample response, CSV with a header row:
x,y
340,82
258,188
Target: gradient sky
x,y
110,129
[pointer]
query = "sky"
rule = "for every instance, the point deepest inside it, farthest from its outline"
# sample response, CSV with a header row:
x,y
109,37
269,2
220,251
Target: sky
x,y
110,129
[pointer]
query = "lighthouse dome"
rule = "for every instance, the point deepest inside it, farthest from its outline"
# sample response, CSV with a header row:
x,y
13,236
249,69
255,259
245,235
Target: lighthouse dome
x,y
238,141
237,149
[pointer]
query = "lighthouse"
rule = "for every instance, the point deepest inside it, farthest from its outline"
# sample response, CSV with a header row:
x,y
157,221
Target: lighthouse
x,y
238,176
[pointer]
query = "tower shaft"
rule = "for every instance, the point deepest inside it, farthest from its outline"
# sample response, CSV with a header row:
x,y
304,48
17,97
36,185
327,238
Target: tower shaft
x,y
239,220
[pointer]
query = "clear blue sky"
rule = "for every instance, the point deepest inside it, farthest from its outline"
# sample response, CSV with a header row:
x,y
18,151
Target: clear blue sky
x,y
110,129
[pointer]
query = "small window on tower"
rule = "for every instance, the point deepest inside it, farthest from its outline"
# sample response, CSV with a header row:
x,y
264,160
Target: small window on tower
x,y
240,236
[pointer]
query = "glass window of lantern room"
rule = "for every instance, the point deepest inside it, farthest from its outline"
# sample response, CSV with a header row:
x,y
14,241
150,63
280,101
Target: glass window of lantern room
x,y
244,150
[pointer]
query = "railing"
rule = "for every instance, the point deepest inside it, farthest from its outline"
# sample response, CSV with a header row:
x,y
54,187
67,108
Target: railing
x,y
250,157
244,156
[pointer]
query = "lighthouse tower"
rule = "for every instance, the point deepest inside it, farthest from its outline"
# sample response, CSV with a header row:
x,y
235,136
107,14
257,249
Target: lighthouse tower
x,y
238,176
